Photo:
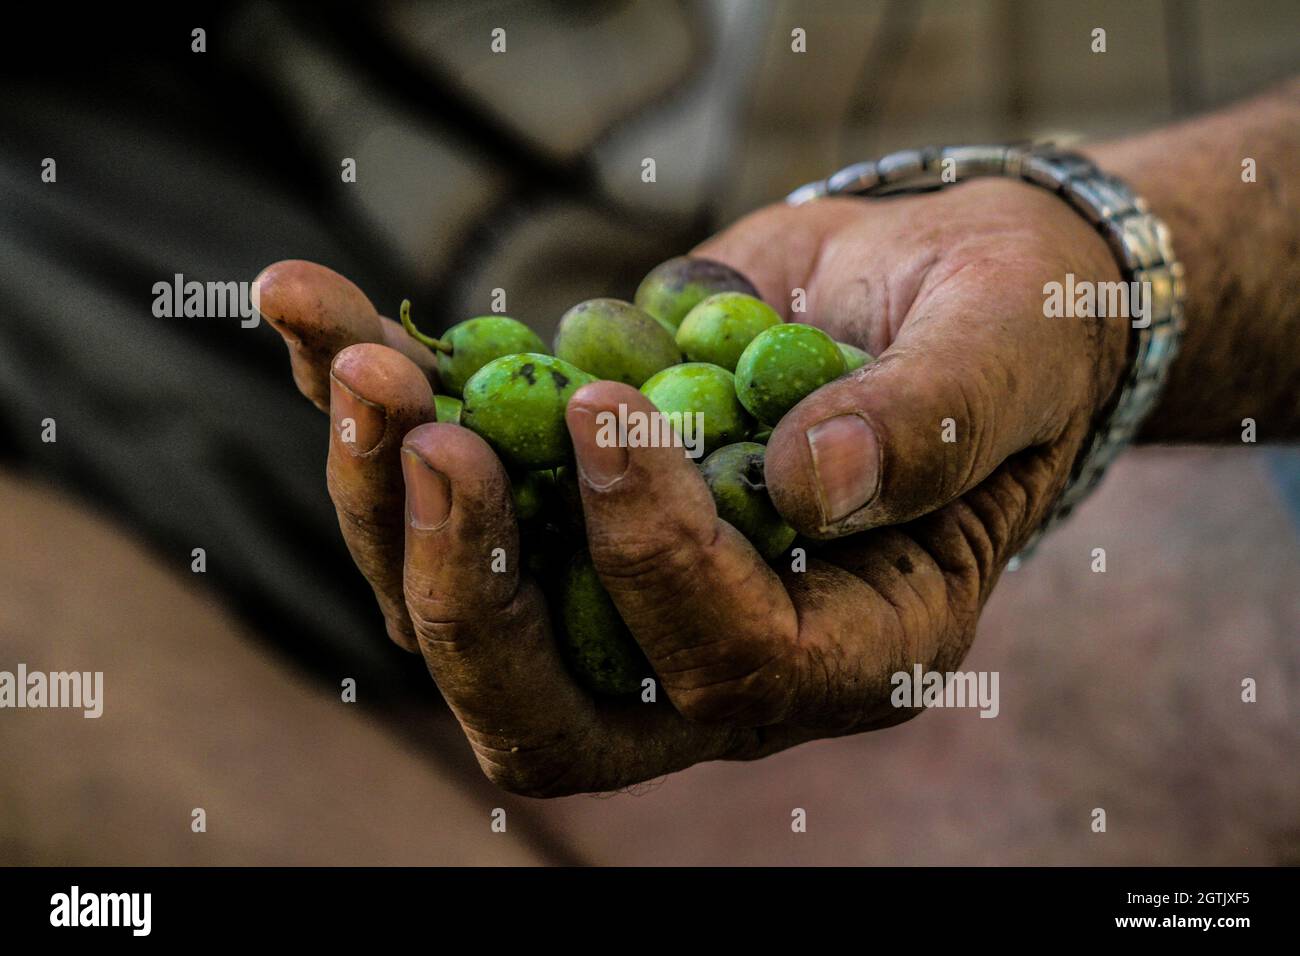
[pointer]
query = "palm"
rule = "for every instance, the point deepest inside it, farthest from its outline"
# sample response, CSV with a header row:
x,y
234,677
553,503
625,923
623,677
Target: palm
x,y
976,409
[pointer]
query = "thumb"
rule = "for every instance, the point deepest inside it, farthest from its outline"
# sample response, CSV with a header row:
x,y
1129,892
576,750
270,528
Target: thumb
x,y
946,404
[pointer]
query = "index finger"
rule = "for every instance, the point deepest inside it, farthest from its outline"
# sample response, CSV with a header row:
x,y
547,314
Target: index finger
x,y
319,313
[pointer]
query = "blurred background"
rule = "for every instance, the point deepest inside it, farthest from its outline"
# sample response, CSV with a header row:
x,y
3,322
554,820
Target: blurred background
x,y
522,171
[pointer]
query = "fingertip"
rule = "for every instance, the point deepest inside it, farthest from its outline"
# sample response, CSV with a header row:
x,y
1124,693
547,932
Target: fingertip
x,y
606,396
310,303
280,290
318,313
787,468
452,449
428,492
462,542
269,293
602,457
823,471
381,374
371,386
477,481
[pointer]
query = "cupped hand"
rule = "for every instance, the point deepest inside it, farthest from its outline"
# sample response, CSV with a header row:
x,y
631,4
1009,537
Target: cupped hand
x,y
912,482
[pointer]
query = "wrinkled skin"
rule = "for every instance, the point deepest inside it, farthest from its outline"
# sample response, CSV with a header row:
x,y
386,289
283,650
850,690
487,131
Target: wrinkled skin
x,y
946,289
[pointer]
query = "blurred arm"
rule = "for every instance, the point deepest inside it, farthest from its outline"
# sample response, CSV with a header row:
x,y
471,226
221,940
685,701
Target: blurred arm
x,y
1240,243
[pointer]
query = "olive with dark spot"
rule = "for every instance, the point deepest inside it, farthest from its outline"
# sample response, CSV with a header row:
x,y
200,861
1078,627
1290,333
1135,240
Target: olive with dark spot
x,y
616,341
521,412
467,346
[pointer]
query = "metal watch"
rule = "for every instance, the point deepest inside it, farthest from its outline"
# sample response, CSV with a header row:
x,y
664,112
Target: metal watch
x,y
1139,240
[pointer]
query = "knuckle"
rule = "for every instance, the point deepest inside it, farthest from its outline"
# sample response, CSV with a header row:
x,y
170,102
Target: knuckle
x,y
761,696
513,779
450,620
631,555
953,635
366,518
529,772
364,509
434,631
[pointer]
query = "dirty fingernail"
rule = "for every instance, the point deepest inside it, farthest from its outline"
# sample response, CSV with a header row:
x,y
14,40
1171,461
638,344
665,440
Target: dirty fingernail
x,y
601,462
358,424
428,493
846,463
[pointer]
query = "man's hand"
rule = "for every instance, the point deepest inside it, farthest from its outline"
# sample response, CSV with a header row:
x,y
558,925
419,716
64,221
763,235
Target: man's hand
x,y
913,481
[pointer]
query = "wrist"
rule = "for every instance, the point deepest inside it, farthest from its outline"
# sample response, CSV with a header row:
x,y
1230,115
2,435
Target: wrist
x,y
1237,230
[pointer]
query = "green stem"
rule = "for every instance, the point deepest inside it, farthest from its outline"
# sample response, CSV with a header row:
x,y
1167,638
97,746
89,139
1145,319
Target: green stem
x,y
436,344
